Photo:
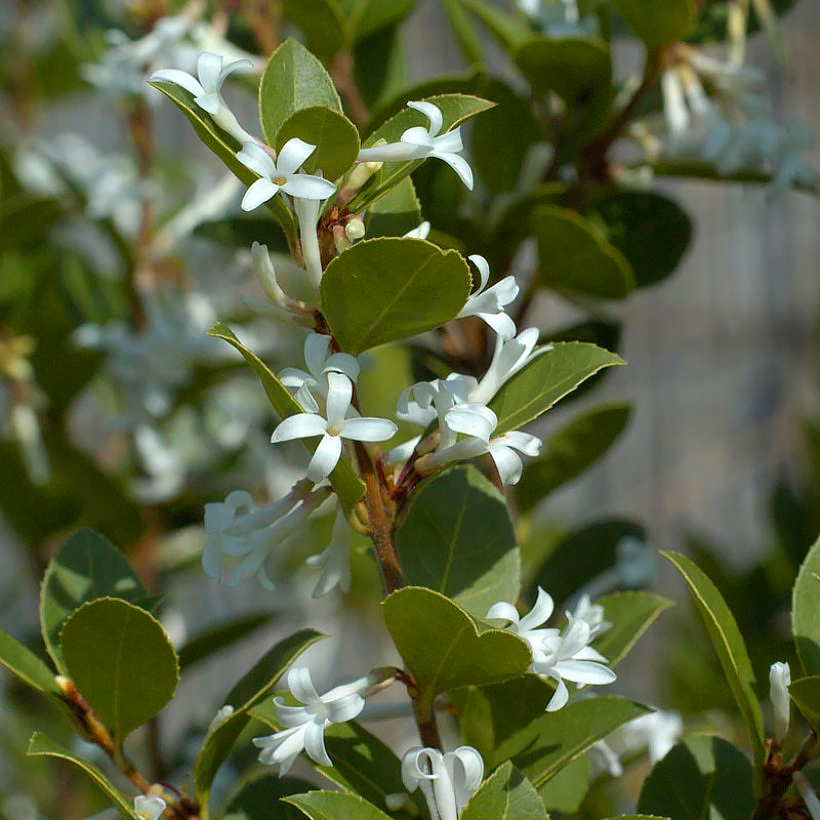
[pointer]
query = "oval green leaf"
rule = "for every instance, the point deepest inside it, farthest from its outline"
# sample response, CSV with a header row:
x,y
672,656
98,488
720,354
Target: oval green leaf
x,y
293,79
455,536
122,662
25,665
805,693
443,647
261,799
322,22
806,612
321,805
334,135
87,566
729,645
631,614
385,289
574,256
545,380
506,795
396,213
658,23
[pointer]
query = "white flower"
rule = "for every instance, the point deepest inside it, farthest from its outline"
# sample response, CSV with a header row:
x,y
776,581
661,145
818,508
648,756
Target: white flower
x,y
592,614
528,627
332,429
205,87
447,787
266,275
148,808
335,560
477,422
281,174
319,363
305,725
808,794
422,232
488,303
510,356
657,732
419,142
567,656
219,718
307,213
780,677
603,758
423,402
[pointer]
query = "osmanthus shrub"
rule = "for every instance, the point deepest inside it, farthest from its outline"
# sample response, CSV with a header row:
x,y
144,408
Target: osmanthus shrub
x,y
509,719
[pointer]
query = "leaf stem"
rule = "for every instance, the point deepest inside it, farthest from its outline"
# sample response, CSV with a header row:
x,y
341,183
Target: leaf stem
x,y
777,777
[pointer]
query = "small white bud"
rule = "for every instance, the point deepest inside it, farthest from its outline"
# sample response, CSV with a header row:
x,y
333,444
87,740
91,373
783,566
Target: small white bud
x,y
780,677
354,229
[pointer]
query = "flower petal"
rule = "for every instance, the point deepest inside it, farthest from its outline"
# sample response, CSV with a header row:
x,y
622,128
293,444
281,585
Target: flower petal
x,y
507,462
503,610
301,425
541,611
315,743
472,419
181,78
209,102
500,322
292,154
301,685
316,349
421,141
339,394
458,164
483,270
208,68
256,158
260,191
559,698
585,672
307,186
345,708
325,458
344,363
243,64
432,112
368,429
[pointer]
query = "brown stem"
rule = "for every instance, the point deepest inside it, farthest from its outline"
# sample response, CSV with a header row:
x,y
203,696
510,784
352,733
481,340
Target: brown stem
x,y
428,728
341,71
777,777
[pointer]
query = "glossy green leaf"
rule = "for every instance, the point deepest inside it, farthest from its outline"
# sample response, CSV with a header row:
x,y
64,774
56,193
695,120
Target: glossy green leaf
x,y
574,256
348,485
334,135
658,23
379,67
385,289
569,66
509,31
370,16
569,452
805,693
293,79
121,661
87,566
396,213
652,231
321,21
565,792
224,146
42,745
505,795
444,648
23,663
247,693
455,536
536,388
321,805
557,738
631,614
729,645
204,644
806,612
701,777
455,109
261,799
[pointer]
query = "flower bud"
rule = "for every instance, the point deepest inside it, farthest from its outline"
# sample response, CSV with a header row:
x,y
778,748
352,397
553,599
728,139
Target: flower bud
x,y
354,229
779,679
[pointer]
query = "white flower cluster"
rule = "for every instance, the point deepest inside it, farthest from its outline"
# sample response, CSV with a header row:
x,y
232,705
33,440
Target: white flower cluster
x,y
560,655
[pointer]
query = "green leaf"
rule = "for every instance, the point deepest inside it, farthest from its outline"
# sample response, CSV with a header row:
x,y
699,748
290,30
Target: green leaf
x,y
455,109
569,66
293,79
261,799
379,67
444,648
385,289
42,745
224,146
321,805
570,451
25,220
87,566
638,817
321,21
334,135
557,738
506,795
806,612
701,777
805,693
574,256
247,693
23,663
652,231
658,23
729,645
370,16
455,536
565,792
508,30
535,388
346,483
396,213
122,662
631,614
465,35
212,640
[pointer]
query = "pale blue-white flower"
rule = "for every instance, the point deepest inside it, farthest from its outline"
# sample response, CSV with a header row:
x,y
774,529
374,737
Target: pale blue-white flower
x,y
419,142
488,303
334,561
335,427
529,627
424,402
656,732
206,88
447,780
780,677
592,614
312,384
305,725
149,808
281,174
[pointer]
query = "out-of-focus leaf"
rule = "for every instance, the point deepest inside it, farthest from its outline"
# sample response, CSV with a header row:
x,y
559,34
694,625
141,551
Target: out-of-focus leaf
x,y
261,799
321,21
465,35
25,219
508,30
204,644
655,23
631,614
805,693
370,16
806,612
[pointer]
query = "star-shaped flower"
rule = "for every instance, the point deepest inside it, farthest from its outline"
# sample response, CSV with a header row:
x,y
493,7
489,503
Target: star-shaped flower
x,y
488,303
